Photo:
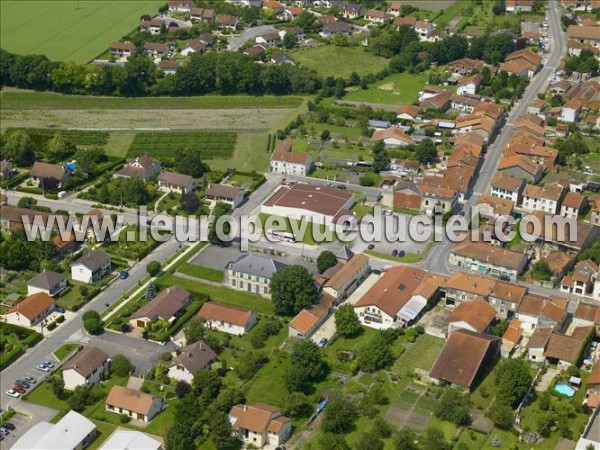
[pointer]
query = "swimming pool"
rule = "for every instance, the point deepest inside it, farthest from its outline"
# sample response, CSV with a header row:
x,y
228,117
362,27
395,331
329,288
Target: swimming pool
x,y
564,389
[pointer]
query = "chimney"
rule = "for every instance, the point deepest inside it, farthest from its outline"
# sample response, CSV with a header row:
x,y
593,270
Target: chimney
x,y
245,408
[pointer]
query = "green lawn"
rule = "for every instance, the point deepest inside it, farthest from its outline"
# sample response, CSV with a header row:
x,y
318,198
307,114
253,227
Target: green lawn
x,y
329,60
250,153
103,431
219,294
206,273
118,144
397,89
69,30
63,351
21,99
307,237
407,258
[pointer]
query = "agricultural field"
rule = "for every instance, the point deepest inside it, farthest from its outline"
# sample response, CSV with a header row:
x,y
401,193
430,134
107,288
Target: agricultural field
x,y
41,136
434,5
398,89
159,145
69,30
329,60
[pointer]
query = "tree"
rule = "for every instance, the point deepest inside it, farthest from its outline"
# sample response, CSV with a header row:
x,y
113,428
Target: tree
x,y
501,414
27,202
58,386
19,148
375,355
179,437
326,260
330,441
221,432
58,148
325,135
381,160
79,398
121,366
194,331
220,209
454,407
189,202
296,404
369,179
433,439
405,439
426,151
182,389
339,415
289,40
92,322
369,441
89,157
512,381
346,321
153,267
189,162
292,289
151,291
541,271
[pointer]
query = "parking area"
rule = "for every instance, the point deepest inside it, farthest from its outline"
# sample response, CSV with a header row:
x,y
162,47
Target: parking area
x,y
27,415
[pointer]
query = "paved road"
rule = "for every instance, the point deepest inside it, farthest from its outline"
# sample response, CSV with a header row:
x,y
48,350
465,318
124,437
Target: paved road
x,y
437,260
249,35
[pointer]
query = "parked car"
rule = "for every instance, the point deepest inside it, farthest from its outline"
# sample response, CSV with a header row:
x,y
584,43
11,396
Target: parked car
x,y
4,430
59,310
371,246
43,367
394,252
341,186
12,393
19,389
323,342
49,364
123,275
23,384
30,380
401,253
9,426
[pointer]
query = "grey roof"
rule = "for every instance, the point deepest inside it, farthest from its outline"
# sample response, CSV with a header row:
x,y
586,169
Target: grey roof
x,y
94,260
256,265
195,357
46,280
345,253
165,305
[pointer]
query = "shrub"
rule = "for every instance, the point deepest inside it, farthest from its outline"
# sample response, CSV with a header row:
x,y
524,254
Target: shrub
x,y
124,418
166,356
60,319
51,326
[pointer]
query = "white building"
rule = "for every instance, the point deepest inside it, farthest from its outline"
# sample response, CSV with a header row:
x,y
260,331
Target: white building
x,y
226,318
469,85
287,162
546,199
130,440
133,404
72,432
507,187
48,282
91,267
260,425
30,311
224,193
252,273
193,358
85,368
176,182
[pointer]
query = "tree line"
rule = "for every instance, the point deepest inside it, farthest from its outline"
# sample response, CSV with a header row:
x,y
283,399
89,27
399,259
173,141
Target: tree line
x,y
224,73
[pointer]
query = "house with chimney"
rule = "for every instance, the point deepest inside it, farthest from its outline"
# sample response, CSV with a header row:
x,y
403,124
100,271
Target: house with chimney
x,y
30,311
133,404
226,318
191,359
91,267
260,425
122,50
287,162
547,198
535,311
140,166
485,258
176,182
166,306
85,368
508,187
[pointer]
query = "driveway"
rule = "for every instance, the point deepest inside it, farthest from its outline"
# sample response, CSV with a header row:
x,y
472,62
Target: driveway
x,y
249,35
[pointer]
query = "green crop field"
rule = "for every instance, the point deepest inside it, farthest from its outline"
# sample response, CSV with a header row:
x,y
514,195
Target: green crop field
x,y
329,60
69,30
41,136
161,145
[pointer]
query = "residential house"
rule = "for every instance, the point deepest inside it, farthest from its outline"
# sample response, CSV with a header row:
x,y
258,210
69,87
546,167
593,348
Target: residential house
x,y
515,6
407,112
465,66
511,338
476,315
547,198
65,242
564,350
85,368
491,207
202,15
377,16
536,106
169,67
166,306
260,425
140,166
181,6
392,137
339,27
464,287
226,22
587,314
304,324
192,358
408,21
47,281
176,182
292,13
391,302
595,213
195,46
438,101
539,154
91,267
465,358
72,432
437,198
14,218
424,29
133,404
536,311
521,167
350,275
352,11
231,195
394,8
273,6
589,35
287,162
278,58
270,39
581,282
506,297
469,85
485,258
252,273
296,31
226,318
155,49
508,187
514,62
573,205
122,49
537,343
30,311
44,172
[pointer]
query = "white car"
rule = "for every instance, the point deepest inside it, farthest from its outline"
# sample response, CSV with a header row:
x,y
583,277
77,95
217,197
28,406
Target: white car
x,y
12,393
43,367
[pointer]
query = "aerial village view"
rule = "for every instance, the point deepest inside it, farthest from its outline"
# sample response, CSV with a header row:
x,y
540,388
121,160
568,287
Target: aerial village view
x,y
300,224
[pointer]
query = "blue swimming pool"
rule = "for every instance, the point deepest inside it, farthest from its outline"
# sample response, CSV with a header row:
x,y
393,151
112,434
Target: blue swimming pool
x,y
564,389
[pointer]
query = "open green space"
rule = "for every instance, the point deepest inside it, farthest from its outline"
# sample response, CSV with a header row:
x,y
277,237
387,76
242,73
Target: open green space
x,y
307,235
407,258
219,294
69,30
63,351
206,273
21,99
330,60
398,89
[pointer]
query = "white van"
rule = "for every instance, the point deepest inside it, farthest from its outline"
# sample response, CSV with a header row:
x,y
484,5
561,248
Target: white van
x,y
62,194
